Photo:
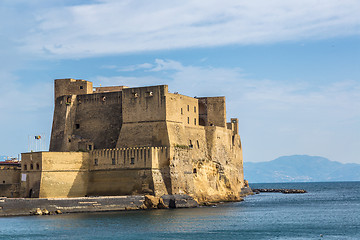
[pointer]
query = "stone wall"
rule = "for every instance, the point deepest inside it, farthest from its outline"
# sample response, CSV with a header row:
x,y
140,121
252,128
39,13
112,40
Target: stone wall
x,y
126,171
85,122
57,174
212,111
71,86
9,181
144,115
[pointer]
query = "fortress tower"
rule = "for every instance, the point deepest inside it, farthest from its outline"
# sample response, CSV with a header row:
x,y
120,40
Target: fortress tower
x,y
122,141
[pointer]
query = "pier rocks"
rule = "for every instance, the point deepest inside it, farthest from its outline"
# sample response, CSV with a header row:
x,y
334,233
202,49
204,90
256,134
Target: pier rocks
x,y
273,190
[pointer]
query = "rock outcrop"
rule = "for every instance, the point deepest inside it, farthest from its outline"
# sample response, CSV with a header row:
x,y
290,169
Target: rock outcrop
x,y
285,191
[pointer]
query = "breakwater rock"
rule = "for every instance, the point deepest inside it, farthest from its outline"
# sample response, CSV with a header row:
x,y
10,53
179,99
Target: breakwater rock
x,y
51,206
285,191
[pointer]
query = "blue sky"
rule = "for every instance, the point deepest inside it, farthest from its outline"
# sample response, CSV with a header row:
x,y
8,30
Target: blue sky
x,y
290,70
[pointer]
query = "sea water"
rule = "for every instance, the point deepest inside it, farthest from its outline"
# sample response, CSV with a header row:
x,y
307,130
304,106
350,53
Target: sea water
x,y
327,211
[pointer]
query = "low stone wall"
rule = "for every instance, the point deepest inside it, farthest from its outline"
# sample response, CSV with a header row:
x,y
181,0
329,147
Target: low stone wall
x,y
28,206
38,206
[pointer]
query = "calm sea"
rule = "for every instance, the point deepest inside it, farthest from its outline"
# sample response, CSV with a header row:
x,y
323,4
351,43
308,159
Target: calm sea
x,y
327,211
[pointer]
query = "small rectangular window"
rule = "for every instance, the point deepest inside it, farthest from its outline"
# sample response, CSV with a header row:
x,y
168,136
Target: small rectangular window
x,y
77,126
181,111
113,161
90,147
188,107
194,121
96,162
81,87
194,109
25,167
188,120
132,160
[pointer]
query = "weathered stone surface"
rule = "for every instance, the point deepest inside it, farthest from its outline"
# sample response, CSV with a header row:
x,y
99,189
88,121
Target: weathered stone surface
x,y
179,201
38,211
151,202
161,204
45,212
246,191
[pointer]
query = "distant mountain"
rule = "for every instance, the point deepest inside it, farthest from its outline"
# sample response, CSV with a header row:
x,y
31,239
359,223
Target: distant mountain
x,y
300,168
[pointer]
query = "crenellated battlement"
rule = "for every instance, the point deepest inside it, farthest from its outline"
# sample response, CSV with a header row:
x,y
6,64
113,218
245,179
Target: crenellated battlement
x,y
136,157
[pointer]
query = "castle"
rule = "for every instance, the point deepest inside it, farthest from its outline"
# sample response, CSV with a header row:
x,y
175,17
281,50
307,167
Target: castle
x,y
109,141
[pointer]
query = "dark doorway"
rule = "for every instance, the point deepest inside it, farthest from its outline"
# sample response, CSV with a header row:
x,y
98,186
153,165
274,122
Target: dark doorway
x,y
30,193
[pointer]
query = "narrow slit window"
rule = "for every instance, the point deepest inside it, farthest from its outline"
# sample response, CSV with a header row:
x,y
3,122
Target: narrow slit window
x,y
96,162
132,160
113,161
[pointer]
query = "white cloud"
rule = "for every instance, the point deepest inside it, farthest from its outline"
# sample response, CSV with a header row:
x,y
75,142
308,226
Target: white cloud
x,y
163,65
109,26
135,67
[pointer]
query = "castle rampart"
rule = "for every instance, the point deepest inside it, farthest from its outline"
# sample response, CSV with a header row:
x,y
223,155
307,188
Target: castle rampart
x,y
124,141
